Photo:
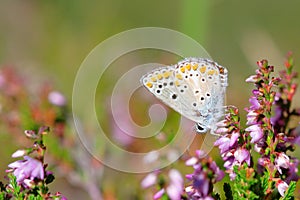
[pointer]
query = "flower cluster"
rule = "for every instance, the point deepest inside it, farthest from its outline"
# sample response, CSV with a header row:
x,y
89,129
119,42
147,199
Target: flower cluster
x,y
256,157
233,143
268,134
28,178
24,107
271,135
206,173
174,190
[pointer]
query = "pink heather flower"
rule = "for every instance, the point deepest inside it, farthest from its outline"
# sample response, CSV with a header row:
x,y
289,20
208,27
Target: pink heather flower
x,y
223,143
29,183
149,180
282,161
200,153
206,173
2,80
56,98
175,188
254,103
30,134
222,130
18,153
222,123
219,173
242,155
252,79
159,194
255,132
201,184
293,171
282,187
29,168
192,161
252,117
234,138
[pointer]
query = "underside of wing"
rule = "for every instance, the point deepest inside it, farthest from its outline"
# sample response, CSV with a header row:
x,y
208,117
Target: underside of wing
x,y
170,89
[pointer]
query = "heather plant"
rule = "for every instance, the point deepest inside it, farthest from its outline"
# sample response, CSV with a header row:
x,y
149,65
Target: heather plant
x,y
257,158
29,178
26,105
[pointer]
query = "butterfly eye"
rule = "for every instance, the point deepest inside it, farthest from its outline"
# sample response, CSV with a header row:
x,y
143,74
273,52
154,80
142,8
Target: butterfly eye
x,y
200,129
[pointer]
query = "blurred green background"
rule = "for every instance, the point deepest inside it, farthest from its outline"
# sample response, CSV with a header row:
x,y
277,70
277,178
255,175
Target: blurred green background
x,y
53,37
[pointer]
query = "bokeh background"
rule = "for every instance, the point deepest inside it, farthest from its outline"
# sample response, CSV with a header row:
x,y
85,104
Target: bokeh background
x,y
48,40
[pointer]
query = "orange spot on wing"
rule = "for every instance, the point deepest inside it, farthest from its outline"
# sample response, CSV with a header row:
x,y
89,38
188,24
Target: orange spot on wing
x,y
167,74
211,72
188,67
202,69
182,69
149,85
195,67
159,76
153,79
179,76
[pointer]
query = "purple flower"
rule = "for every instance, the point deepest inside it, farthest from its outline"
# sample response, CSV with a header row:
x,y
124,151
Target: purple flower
x,y
149,180
255,132
252,79
159,194
242,155
56,98
206,173
175,188
18,153
282,187
29,168
201,184
254,103
282,161
223,143
292,174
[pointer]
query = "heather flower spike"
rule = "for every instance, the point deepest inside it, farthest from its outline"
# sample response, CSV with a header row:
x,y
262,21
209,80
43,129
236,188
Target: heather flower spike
x,y
269,130
28,178
268,133
206,173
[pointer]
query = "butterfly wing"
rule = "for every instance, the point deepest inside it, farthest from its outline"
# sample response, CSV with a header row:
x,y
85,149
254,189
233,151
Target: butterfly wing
x,y
163,83
194,87
207,82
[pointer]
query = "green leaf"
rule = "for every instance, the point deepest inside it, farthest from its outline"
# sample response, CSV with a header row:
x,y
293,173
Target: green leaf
x,y
216,196
49,179
2,196
289,193
228,192
265,182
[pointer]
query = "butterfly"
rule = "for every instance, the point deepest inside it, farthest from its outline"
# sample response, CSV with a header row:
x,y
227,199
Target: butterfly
x,y
194,87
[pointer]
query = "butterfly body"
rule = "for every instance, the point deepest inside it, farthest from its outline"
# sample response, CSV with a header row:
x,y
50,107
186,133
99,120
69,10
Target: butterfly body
x,y
194,87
